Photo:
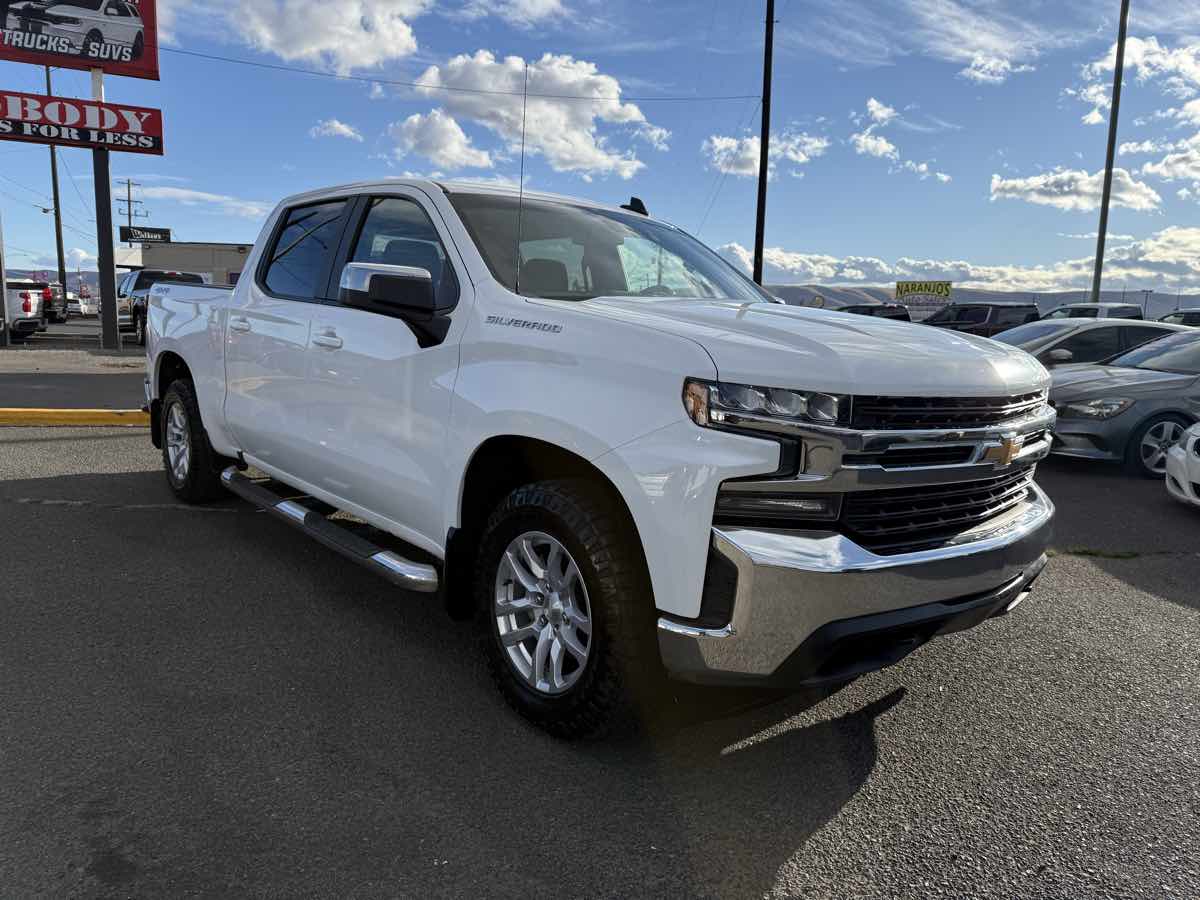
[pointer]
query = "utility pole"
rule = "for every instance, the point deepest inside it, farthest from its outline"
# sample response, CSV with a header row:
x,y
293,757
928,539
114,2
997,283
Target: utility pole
x,y
1113,118
5,325
58,240
765,144
129,213
110,336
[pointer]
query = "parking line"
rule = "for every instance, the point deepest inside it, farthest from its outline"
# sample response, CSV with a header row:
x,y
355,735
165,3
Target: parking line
x,y
86,417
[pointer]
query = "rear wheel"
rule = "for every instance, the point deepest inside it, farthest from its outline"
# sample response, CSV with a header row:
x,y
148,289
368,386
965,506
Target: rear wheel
x,y
1146,454
93,37
565,610
191,464
139,45
140,330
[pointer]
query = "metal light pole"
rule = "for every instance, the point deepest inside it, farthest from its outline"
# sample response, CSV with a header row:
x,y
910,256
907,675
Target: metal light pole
x,y
1112,150
58,238
765,144
5,325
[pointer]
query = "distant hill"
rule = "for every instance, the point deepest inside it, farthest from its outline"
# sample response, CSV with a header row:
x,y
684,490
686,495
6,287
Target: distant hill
x,y
91,279
803,294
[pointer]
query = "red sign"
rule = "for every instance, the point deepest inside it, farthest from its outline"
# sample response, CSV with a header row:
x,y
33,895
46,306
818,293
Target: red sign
x,y
118,36
80,123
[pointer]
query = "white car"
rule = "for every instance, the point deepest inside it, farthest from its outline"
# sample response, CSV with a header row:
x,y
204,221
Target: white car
x,y
603,444
103,30
1183,468
82,306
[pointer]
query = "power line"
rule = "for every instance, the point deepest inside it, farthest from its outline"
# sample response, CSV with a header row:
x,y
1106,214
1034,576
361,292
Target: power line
x,y
277,67
724,174
78,193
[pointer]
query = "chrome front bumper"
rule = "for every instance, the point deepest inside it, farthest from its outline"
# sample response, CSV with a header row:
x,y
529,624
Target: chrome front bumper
x,y
793,586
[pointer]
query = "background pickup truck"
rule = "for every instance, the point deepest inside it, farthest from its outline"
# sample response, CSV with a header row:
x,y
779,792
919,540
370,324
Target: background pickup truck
x,y
602,444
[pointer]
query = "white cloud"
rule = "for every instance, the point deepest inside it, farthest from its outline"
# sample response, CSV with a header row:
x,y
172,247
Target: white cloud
x,y
1076,190
232,206
1135,148
1093,235
522,13
880,113
1182,164
74,258
1178,67
944,178
992,70
565,132
440,139
329,128
740,156
1167,259
867,143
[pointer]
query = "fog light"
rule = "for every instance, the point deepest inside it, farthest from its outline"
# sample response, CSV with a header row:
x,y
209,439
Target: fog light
x,y
774,507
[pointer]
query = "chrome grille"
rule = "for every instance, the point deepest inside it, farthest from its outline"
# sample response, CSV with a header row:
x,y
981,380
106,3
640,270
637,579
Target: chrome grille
x,y
908,519
922,413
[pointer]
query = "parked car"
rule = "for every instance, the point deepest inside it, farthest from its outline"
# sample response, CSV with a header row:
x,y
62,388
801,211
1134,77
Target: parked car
x,y
1189,317
132,294
84,307
1064,341
94,29
617,457
1131,409
986,318
25,301
1183,468
804,297
54,303
1096,311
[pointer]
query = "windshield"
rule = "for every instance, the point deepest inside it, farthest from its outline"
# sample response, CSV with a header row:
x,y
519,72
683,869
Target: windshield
x,y
1027,335
970,314
1074,312
1179,353
572,252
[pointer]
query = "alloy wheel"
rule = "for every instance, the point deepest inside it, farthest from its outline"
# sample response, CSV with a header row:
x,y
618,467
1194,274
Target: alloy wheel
x,y
179,443
543,616
1157,442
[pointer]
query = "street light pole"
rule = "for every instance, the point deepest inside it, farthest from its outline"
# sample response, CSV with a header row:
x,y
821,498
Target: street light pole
x,y
765,144
1112,150
58,238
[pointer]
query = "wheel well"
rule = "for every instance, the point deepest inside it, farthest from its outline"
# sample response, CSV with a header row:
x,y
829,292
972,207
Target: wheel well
x,y
171,367
500,466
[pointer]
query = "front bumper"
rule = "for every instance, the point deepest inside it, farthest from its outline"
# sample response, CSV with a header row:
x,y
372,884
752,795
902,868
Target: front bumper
x,y
816,607
1099,439
1183,475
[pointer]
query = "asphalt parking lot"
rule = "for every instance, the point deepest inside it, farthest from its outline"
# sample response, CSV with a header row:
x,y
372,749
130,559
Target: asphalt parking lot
x,y
196,702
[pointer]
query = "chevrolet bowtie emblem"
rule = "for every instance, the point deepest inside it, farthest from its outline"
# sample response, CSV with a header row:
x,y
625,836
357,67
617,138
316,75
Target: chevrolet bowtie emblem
x,y
1004,454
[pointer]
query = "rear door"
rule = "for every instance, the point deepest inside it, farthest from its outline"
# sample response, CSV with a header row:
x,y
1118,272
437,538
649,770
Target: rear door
x,y
379,403
266,363
1136,335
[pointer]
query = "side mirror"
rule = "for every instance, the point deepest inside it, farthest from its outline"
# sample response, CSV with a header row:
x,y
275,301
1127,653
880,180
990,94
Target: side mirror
x,y
402,292
1059,357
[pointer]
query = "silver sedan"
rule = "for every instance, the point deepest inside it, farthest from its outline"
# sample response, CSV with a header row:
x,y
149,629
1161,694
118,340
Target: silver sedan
x,y
1131,409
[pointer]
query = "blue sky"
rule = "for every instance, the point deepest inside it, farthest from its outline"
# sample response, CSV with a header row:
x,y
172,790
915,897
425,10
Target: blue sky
x,y
913,138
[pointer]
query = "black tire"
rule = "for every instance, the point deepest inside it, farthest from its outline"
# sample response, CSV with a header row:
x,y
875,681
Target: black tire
x,y
139,45
1134,461
201,482
93,37
623,667
140,330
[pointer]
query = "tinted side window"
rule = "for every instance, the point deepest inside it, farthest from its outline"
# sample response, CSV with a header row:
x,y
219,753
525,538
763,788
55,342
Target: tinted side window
x,y
1006,316
1136,335
397,232
303,250
973,315
1092,345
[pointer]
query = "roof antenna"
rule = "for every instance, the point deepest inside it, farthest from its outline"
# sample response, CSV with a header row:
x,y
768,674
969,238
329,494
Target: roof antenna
x,y
521,184
635,205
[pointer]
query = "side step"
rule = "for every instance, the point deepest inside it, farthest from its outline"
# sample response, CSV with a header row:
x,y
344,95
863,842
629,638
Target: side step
x,y
399,571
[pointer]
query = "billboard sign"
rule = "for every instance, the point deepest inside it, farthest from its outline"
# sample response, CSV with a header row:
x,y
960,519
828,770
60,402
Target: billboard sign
x,y
134,234
924,293
117,36
69,122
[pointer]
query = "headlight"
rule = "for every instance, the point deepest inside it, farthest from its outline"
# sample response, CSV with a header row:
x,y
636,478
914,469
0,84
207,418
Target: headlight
x,y
1104,408
714,405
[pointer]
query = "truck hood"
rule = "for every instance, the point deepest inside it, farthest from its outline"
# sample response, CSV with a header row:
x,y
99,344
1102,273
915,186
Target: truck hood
x,y
813,349
1090,382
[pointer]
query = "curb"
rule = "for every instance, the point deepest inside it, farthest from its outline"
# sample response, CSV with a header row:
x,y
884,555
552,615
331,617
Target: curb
x,y
83,417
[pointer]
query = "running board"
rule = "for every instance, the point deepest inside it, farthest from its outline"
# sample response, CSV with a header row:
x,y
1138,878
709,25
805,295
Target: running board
x,y
395,568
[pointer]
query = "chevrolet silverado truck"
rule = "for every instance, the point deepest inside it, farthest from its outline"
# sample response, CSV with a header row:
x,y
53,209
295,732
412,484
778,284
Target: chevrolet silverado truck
x,y
602,444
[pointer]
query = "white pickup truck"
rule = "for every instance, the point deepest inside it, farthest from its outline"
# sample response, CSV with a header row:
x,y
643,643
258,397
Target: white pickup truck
x,y
602,443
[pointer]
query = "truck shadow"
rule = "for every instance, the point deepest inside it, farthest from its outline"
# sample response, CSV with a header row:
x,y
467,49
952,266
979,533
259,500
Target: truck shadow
x,y
275,721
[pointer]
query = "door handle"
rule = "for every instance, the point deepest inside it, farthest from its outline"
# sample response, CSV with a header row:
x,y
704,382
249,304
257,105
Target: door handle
x,y
328,339
239,323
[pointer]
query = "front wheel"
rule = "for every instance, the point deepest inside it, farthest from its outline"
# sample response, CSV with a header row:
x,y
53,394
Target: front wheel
x,y
1146,454
566,612
140,330
189,460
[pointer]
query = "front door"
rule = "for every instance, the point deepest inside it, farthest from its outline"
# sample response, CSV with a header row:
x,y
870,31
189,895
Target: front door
x,y
266,361
379,403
